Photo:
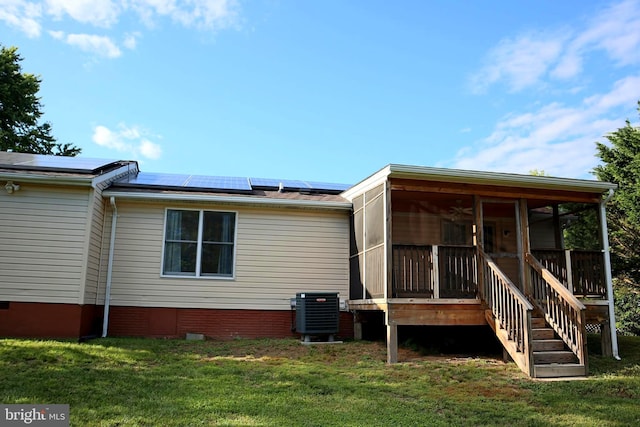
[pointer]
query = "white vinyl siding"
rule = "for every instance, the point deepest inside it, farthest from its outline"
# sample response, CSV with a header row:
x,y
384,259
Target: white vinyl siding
x,y
97,213
278,252
42,236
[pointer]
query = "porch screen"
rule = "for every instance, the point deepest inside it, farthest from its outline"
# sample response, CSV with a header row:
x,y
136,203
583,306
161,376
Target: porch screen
x,y
367,259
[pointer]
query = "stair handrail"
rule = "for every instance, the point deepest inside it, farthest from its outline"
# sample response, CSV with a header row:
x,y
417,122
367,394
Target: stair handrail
x,y
509,306
562,310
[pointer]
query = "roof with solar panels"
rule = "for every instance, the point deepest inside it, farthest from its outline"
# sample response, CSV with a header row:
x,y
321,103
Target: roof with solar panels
x,y
41,167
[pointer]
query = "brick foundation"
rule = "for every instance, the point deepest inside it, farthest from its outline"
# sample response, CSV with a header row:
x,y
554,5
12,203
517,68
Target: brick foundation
x,y
44,320
219,324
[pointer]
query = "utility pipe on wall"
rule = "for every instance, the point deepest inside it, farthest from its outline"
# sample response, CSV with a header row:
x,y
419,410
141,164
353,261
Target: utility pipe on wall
x,y
107,293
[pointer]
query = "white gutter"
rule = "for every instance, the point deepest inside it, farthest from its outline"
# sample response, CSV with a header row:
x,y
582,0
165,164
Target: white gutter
x,y
241,199
47,179
52,178
497,178
107,293
608,274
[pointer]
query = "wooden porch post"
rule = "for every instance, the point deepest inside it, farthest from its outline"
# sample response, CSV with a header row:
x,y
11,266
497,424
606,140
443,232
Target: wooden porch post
x,y
478,243
388,264
557,229
608,276
525,247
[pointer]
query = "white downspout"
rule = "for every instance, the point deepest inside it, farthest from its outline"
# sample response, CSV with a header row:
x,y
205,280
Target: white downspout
x,y
608,275
107,293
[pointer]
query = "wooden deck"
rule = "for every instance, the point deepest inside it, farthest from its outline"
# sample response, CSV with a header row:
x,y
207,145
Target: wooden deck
x,y
419,312
545,333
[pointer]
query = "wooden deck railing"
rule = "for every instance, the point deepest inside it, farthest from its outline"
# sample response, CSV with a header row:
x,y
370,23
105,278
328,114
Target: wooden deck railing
x,y
581,271
510,308
425,271
562,310
587,273
458,272
413,271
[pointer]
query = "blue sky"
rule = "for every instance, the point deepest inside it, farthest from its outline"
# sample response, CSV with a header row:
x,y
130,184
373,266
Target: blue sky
x,y
332,90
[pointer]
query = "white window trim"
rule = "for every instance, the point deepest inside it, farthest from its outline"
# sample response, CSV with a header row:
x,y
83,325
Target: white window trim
x,y
199,245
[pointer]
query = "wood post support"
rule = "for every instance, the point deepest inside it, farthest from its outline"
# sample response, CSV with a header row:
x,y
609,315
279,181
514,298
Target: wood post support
x,y
357,326
392,343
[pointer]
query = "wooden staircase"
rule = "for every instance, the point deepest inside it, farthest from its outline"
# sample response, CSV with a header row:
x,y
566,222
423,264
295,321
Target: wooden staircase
x,y
543,332
551,357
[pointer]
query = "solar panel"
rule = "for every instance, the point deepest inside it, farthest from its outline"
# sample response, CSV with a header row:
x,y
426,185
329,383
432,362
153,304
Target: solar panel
x,y
219,182
327,186
36,161
287,184
157,179
190,182
61,162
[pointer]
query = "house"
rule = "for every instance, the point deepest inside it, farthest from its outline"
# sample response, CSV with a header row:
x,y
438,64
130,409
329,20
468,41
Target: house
x,y
173,254
95,246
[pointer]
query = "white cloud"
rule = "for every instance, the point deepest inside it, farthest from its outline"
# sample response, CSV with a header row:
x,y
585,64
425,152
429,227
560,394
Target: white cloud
x,y
100,13
24,16
150,150
202,14
98,45
131,40
58,35
31,17
520,62
555,138
625,92
127,139
534,58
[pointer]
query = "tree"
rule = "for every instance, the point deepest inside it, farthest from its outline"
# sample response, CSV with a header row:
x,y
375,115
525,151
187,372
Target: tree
x,y
621,165
20,111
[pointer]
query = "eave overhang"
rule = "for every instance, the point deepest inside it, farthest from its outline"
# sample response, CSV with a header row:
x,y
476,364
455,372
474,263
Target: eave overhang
x,y
423,173
228,199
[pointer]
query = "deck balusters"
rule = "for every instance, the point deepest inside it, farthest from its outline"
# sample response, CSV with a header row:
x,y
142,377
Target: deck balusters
x,y
562,310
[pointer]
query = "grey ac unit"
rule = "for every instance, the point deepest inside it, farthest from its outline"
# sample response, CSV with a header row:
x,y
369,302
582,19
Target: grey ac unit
x,y
317,314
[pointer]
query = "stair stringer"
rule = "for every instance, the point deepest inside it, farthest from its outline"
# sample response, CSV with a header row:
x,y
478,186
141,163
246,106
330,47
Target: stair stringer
x,y
522,360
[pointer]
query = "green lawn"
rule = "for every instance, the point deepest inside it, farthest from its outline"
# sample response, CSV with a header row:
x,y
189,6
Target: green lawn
x,y
280,382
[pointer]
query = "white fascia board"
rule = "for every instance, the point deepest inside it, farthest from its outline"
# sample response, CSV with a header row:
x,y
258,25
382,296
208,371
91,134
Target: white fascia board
x,y
47,179
498,178
83,181
367,183
239,200
128,168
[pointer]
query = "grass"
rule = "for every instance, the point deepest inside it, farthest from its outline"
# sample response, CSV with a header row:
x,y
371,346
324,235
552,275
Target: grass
x,y
140,382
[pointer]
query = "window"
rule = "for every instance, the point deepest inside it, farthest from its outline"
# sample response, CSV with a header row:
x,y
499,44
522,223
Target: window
x,y
199,243
456,233
488,235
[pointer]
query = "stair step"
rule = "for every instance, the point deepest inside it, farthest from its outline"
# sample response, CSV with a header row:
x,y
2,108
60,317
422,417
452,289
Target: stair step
x,y
547,357
542,333
538,322
547,345
559,370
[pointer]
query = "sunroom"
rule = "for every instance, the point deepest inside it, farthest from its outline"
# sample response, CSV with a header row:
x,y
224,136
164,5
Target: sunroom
x,y
449,247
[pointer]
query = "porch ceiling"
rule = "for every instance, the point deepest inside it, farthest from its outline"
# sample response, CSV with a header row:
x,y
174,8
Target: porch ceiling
x,y
448,192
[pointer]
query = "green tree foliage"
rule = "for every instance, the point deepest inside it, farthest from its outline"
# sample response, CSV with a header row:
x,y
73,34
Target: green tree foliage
x,y
582,229
621,165
20,111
